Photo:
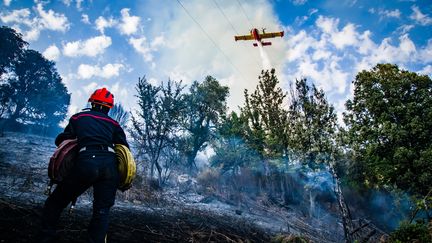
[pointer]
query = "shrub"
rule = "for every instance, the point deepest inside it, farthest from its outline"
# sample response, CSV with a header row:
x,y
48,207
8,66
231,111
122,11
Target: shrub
x,y
417,232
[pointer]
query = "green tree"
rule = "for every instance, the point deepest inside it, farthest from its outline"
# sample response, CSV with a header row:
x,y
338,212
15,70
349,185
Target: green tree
x,y
34,92
266,118
312,124
11,48
231,152
205,104
389,123
156,123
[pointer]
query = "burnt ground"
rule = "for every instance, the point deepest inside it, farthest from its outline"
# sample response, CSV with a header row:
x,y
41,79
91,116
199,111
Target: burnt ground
x,y
140,215
19,222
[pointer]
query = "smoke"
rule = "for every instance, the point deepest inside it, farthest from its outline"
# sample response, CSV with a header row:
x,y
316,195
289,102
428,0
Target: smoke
x,y
264,57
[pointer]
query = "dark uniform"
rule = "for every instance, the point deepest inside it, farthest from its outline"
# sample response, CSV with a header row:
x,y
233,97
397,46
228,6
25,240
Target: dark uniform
x,y
96,166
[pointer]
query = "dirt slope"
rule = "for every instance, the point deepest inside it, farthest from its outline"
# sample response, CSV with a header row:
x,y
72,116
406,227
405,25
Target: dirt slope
x,y
23,178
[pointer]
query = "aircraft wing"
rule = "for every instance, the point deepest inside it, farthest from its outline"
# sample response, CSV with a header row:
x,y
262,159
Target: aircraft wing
x,y
243,37
272,35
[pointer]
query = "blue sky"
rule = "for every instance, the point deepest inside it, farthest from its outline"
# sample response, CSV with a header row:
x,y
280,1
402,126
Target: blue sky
x,y
112,43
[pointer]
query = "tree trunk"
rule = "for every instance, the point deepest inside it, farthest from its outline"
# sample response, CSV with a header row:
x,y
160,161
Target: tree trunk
x,y
345,213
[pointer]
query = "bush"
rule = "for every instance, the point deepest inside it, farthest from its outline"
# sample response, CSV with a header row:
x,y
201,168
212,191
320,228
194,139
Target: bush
x,y
417,232
208,180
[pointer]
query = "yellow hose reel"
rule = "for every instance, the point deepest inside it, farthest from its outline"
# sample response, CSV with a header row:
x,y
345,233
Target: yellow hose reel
x,y
126,166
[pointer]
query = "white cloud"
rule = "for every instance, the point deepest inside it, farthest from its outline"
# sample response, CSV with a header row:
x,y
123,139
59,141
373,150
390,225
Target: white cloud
x,y
327,25
386,52
320,55
427,70
345,37
20,16
90,88
403,29
129,24
46,20
365,44
120,93
189,54
78,4
330,77
391,13
419,17
299,45
142,46
386,13
425,54
102,23
67,2
52,53
91,47
298,2
31,35
301,20
313,11
158,41
108,71
52,20
146,49
85,19
340,39
7,2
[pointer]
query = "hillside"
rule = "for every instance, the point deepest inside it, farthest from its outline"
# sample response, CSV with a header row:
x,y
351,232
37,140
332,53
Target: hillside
x,y
155,216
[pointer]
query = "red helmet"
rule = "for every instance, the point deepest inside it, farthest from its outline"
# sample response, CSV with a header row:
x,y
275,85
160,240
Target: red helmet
x,y
102,97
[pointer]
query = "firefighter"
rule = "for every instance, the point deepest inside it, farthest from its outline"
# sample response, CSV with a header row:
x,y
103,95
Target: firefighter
x,y
96,166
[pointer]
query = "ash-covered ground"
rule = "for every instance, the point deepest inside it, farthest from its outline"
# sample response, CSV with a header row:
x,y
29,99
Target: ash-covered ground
x,y
142,215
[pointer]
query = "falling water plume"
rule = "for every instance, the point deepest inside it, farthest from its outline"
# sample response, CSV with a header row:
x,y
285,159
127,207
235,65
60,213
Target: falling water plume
x,y
264,57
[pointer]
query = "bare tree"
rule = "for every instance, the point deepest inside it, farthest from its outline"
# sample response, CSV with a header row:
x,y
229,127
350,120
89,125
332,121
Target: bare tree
x,y
155,125
119,114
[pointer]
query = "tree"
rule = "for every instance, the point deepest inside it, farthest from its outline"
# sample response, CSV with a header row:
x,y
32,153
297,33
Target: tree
x,y
119,114
389,124
34,92
265,117
155,126
11,48
312,124
205,104
231,152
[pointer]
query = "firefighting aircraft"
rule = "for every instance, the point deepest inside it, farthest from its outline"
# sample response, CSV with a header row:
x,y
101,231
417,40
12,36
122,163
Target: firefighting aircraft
x,y
255,35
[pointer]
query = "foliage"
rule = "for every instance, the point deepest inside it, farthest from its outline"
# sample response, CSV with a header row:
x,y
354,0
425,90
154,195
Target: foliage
x,y
232,125
205,104
119,114
265,117
35,94
156,123
11,48
231,152
417,232
389,122
312,124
